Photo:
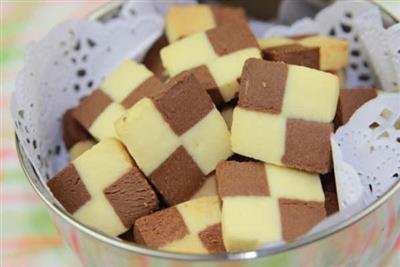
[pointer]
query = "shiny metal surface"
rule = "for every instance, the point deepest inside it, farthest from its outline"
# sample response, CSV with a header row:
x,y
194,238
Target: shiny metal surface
x,y
363,240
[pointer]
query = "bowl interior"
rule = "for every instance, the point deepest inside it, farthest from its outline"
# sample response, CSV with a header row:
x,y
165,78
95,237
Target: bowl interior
x,y
41,189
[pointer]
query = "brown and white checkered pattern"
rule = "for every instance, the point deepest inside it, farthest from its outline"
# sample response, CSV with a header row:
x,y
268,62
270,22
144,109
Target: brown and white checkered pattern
x,y
76,138
264,203
184,20
192,227
215,57
176,137
284,115
294,54
104,189
314,51
126,85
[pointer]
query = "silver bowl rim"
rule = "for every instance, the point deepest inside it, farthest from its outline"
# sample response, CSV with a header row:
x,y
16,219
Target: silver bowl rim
x,y
135,248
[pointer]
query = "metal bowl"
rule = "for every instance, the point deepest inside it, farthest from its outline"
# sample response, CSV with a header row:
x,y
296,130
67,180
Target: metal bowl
x,y
363,240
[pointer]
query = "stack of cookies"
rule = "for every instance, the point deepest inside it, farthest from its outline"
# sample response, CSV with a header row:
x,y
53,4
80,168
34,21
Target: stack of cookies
x,y
219,142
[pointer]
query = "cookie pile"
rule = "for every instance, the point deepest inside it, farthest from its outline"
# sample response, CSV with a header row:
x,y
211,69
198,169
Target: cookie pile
x,y
219,142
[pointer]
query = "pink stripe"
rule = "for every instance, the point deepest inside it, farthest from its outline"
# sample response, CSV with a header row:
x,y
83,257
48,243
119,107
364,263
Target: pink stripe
x,y
19,197
31,242
7,153
397,247
76,244
4,102
143,261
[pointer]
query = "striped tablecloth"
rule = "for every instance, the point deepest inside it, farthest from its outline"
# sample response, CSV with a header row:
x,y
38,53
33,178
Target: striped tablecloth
x,y
28,237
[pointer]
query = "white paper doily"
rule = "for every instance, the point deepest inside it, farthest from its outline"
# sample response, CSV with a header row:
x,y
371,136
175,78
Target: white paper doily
x,y
348,20
69,63
367,151
349,187
384,52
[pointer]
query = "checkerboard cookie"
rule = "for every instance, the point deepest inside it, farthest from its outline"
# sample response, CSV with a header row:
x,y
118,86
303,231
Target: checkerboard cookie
x,y
315,51
331,198
264,203
103,188
295,54
191,227
185,20
176,137
73,132
97,112
152,60
274,124
350,100
130,82
126,85
76,139
215,57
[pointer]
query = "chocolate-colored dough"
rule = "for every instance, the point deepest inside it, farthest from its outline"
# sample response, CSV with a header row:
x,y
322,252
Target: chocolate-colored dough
x,y
298,217
329,187
301,36
241,179
225,14
132,197
331,203
231,37
204,76
91,107
307,145
211,238
149,87
152,60
349,101
73,132
160,228
177,178
68,188
183,103
262,86
294,54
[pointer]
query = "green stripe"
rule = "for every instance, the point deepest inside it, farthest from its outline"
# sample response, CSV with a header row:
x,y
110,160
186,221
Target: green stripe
x,y
32,222
9,54
11,28
14,175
